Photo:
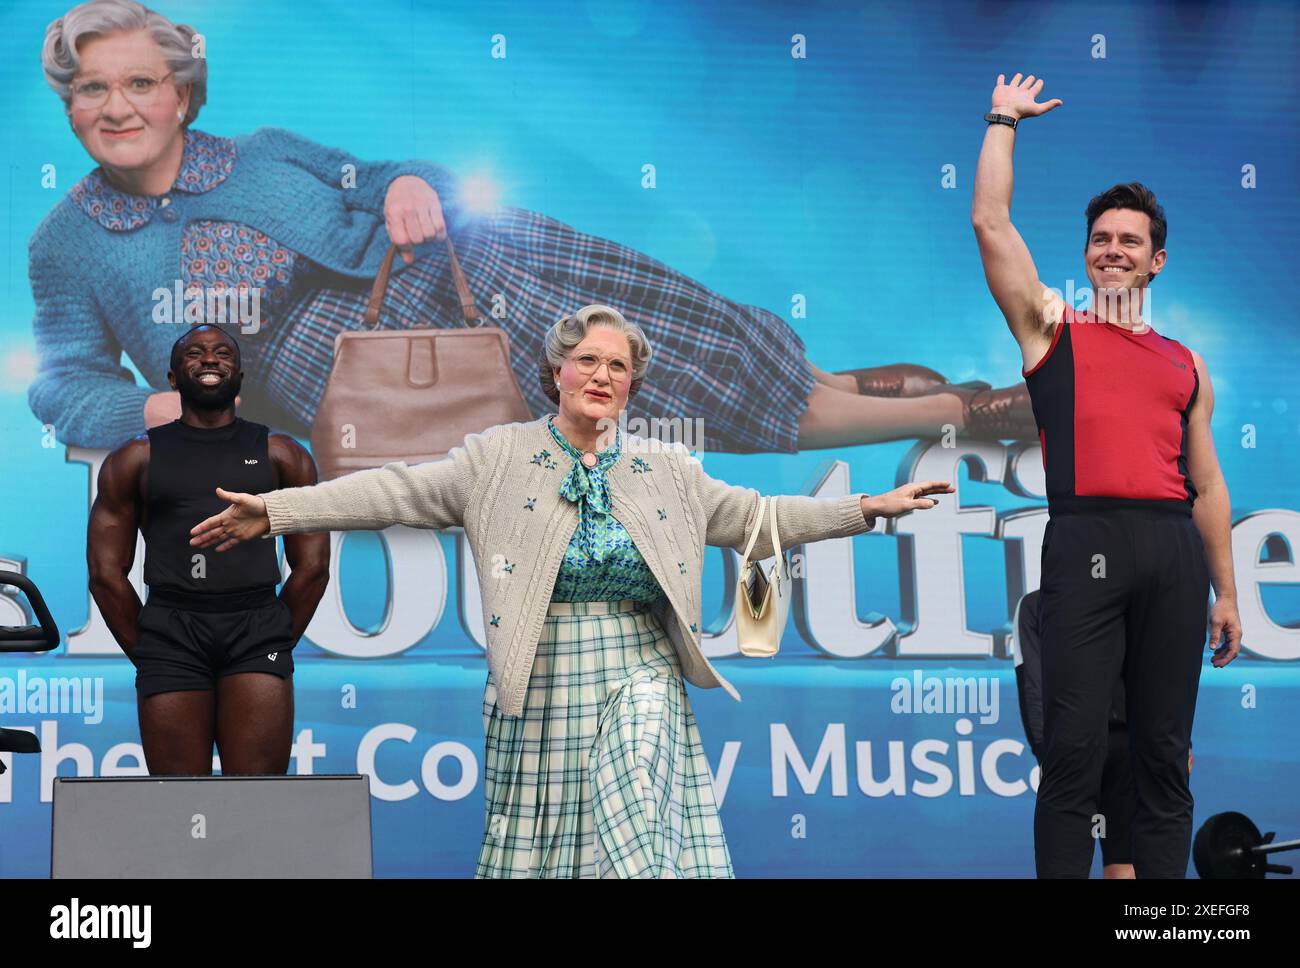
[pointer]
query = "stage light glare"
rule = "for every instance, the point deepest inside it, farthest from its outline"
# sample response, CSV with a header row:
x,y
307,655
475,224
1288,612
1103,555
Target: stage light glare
x,y
19,367
480,193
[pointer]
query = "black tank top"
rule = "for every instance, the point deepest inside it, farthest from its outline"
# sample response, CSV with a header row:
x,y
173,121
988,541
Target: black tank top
x,y
186,466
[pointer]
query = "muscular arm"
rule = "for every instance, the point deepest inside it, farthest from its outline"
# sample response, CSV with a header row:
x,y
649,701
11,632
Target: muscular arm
x,y
308,555
1030,308
1212,513
111,538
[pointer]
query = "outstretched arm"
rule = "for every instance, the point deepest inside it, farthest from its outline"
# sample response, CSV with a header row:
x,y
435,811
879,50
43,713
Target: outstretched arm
x,y
111,537
730,510
431,495
1031,310
1212,513
308,555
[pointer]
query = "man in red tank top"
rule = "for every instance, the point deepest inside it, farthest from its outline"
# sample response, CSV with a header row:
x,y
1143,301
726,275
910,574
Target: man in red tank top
x,y
1139,512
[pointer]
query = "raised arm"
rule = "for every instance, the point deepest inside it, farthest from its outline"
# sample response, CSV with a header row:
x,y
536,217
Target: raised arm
x,y
729,511
431,495
111,539
1212,513
1030,308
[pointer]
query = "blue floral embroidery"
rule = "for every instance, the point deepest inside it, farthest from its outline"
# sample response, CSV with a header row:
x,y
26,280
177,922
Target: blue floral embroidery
x,y
640,467
694,628
496,621
663,515
532,502
508,567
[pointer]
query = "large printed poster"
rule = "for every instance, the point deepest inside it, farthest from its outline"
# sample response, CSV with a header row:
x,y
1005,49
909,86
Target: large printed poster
x,y
781,197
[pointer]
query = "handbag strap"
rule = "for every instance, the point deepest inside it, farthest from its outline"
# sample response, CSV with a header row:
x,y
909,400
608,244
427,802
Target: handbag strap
x,y
470,311
776,537
758,526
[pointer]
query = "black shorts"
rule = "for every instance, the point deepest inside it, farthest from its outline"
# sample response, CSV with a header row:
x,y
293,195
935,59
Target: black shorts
x,y
1118,800
188,641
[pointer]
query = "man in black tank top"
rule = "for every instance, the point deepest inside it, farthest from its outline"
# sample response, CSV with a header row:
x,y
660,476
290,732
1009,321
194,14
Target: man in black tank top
x,y
212,646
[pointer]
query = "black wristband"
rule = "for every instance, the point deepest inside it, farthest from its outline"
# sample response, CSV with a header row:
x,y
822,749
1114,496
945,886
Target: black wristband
x,y
992,118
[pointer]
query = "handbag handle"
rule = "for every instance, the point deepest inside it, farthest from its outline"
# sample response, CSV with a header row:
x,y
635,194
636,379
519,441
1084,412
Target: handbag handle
x,y
472,316
776,545
753,535
766,507
776,537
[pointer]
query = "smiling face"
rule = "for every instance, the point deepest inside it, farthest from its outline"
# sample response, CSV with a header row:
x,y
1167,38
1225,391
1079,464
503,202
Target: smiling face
x,y
121,133
205,370
1119,252
600,394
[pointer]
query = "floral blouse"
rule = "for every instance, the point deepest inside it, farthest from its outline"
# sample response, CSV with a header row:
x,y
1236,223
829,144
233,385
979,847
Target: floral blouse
x,y
601,563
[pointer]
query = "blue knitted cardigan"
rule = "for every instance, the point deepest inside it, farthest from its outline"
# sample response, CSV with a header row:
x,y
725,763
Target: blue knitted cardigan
x,y
94,287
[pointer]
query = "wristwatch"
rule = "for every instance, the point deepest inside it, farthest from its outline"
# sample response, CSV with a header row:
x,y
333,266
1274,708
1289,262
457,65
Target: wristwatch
x,y
992,118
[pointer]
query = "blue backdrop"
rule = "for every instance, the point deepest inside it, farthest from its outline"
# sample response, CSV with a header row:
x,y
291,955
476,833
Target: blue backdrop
x,y
843,176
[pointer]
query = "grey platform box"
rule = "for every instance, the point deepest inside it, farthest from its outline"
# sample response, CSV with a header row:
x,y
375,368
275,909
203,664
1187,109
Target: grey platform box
x,y
206,826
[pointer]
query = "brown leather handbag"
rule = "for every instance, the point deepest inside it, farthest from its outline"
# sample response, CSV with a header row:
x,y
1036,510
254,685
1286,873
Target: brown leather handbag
x,y
413,394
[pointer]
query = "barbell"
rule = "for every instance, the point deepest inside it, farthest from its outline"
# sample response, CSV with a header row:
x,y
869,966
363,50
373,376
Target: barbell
x,y
1230,846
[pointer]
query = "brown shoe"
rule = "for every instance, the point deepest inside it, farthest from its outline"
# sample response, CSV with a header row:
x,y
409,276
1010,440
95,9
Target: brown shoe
x,y
900,380
1002,414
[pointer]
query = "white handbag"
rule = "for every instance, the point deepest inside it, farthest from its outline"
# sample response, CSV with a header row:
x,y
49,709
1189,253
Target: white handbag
x,y
763,597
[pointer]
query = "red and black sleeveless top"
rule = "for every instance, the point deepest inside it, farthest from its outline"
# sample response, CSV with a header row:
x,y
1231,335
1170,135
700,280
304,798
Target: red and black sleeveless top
x,y
1112,408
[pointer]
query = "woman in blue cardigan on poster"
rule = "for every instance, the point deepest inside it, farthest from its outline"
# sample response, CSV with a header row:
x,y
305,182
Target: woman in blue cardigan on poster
x,y
171,214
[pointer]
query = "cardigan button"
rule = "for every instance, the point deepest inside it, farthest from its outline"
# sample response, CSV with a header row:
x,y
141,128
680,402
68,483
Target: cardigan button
x,y
167,215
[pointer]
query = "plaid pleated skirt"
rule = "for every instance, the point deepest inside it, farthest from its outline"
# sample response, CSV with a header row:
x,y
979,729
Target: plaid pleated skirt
x,y
603,775
714,358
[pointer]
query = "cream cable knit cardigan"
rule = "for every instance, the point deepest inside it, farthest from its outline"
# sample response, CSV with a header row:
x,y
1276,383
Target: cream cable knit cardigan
x,y
503,487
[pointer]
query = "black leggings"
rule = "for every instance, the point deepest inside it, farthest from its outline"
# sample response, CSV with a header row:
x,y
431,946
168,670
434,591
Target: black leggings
x,y
1124,593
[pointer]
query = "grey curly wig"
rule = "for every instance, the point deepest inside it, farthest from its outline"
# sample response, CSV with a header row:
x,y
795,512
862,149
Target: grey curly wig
x,y
571,330
97,18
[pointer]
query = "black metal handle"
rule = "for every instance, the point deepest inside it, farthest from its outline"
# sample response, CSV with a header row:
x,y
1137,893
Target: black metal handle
x,y
28,638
